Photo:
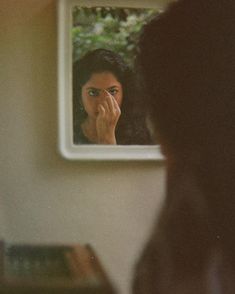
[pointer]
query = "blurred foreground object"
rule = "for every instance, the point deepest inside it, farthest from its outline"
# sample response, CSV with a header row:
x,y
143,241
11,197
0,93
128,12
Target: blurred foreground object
x,y
51,269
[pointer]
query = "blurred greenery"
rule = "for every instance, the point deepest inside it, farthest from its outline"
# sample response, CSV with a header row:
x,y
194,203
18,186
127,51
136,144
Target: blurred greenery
x,y
116,29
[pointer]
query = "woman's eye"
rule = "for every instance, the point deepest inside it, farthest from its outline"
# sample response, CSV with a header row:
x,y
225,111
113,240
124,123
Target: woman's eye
x,y
113,91
93,92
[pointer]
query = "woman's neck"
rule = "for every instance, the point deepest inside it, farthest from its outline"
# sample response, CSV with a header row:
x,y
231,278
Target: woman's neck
x,y
89,129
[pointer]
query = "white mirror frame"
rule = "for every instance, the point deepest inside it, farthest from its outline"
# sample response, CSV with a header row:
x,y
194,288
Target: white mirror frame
x,y
65,124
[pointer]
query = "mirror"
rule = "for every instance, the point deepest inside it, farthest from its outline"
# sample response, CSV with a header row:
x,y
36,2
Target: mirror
x,y
99,91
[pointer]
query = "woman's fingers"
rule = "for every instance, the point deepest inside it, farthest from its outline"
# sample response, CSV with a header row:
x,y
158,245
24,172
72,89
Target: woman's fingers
x,y
112,103
106,107
109,113
101,109
109,99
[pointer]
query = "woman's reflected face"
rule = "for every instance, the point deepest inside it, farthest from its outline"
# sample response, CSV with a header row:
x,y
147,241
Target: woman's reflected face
x,y
94,91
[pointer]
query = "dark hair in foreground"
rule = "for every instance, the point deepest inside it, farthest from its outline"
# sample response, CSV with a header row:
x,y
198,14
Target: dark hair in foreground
x,y
187,56
131,125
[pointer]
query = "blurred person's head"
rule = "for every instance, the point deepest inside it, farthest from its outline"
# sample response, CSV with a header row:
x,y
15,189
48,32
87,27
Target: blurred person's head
x,y
187,57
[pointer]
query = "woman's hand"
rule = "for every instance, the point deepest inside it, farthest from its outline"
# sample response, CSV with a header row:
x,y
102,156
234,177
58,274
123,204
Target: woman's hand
x,y
109,113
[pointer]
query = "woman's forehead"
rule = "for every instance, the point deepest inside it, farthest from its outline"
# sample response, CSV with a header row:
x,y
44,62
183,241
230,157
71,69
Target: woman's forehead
x,y
104,79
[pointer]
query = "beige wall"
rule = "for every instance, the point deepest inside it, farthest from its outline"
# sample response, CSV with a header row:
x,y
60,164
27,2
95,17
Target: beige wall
x,y
44,198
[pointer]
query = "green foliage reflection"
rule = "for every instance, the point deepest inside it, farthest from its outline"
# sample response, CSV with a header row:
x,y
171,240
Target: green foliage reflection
x,y
116,29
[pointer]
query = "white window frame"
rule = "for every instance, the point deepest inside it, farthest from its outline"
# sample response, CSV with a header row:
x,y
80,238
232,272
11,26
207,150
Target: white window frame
x,y
65,124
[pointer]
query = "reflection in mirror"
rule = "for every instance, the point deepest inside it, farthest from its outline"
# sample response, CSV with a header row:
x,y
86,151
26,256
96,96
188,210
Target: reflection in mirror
x,y
114,27
106,90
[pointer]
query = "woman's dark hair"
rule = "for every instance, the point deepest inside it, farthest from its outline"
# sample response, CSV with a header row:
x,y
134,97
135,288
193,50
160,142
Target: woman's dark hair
x,y
188,63
97,61
187,56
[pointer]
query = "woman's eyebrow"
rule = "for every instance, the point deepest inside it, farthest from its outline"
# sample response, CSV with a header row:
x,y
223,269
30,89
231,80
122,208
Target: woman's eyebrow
x,y
93,88
113,87
98,89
